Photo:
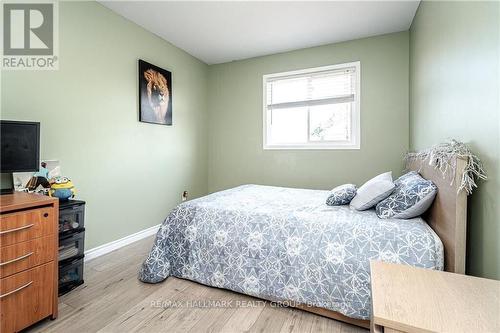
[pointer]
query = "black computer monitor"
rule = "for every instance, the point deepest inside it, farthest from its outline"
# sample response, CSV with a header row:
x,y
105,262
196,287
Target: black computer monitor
x,y
19,146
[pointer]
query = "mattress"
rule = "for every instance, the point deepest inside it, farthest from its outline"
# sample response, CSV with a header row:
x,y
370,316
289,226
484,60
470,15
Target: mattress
x,y
286,245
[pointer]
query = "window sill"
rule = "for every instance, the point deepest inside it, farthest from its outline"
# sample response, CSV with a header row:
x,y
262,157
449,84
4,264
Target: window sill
x,y
312,147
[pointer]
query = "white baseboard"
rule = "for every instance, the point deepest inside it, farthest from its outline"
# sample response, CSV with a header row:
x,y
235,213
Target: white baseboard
x,y
114,245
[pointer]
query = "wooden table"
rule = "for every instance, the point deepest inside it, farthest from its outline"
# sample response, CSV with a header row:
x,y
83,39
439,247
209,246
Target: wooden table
x,y
409,299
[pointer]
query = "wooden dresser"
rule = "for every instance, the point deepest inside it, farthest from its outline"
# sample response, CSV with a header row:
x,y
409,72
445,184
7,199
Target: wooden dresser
x,y
28,259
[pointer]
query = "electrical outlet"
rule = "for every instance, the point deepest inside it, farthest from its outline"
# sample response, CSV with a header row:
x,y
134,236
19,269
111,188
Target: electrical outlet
x,y
184,195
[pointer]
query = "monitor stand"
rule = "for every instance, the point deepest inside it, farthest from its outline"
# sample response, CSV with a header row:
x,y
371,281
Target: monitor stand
x,y
6,183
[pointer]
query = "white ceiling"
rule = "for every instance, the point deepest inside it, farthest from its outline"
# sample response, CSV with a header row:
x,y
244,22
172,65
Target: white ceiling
x,y
217,32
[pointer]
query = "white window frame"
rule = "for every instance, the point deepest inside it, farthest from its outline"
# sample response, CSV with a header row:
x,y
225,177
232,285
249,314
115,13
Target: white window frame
x,y
354,143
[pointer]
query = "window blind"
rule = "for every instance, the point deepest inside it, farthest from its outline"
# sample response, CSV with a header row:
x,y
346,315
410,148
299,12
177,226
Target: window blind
x,y
311,89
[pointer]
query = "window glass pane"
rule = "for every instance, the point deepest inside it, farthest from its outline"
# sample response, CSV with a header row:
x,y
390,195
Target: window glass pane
x,y
289,125
330,122
287,90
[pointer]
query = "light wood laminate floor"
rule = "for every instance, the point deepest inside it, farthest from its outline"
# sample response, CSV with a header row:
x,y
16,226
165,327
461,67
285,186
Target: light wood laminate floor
x,y
114,300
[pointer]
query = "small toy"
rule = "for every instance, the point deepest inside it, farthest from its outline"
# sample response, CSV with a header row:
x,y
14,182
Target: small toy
x,y
62,188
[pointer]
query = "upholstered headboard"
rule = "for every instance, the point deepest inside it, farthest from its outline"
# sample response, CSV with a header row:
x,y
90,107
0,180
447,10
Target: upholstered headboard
x,y
448,214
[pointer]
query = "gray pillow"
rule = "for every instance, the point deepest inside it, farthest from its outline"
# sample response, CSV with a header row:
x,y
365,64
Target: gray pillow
x,y
373,191
341,195
412,197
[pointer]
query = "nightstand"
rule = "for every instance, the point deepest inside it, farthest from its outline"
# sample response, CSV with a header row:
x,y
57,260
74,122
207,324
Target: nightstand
x,y
409,299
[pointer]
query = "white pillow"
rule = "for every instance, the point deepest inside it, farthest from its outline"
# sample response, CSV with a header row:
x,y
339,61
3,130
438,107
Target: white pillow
x,y
373,191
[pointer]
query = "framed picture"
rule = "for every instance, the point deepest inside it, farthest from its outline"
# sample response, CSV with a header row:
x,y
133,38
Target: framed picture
x,y
39,181
155,94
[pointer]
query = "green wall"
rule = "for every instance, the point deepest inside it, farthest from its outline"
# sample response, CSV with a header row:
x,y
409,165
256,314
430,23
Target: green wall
x,y
454,72
235,118
438,81
131,174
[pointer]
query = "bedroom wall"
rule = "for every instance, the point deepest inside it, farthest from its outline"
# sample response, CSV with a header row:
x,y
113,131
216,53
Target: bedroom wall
x,y
235,118
454,75
131,174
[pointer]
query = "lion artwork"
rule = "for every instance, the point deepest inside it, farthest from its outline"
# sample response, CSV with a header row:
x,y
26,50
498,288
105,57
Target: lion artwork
x,y
158,94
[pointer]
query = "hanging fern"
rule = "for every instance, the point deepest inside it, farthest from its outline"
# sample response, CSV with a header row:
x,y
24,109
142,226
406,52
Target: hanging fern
x,y
443,156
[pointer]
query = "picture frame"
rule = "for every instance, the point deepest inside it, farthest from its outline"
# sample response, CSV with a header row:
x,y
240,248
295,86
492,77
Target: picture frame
x,y
38,182
155,94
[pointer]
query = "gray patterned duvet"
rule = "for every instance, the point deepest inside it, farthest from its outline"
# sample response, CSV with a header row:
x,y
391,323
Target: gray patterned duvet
x,y
285,244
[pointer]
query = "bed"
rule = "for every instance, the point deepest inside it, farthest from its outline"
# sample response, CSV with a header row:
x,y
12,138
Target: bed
x,y
286,245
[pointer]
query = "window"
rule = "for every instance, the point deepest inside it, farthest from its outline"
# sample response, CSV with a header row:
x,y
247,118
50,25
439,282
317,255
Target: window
x,y
316,108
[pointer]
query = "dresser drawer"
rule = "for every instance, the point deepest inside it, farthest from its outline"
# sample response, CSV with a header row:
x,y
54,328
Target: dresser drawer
x,y
26,297
18,257
26,225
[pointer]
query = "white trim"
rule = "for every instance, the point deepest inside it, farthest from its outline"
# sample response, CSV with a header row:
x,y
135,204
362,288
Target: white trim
x,y
314,146
116,244
314,69
355,114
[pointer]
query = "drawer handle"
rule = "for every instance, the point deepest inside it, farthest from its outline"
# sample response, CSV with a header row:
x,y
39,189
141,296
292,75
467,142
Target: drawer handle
x,y
16,229
16,259
16,290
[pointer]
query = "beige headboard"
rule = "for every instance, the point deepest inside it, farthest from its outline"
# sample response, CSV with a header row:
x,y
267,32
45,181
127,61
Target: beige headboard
x,y
448,214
